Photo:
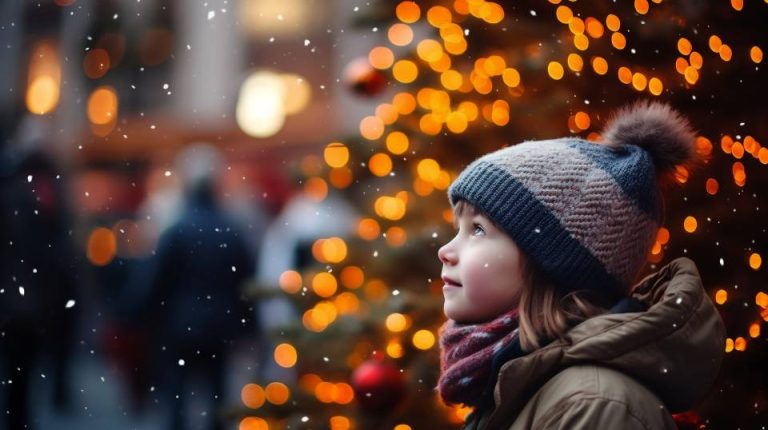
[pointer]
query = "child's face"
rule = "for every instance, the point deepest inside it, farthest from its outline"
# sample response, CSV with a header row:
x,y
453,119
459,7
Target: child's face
x,y
483,270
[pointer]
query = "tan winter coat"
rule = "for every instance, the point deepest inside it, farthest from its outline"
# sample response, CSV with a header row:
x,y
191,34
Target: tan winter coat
x,y
620,371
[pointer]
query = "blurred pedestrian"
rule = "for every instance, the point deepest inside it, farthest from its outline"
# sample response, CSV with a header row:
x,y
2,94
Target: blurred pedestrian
x,y
195,303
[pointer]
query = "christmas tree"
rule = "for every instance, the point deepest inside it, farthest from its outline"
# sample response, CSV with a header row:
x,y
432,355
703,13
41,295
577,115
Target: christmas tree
x,y
457,79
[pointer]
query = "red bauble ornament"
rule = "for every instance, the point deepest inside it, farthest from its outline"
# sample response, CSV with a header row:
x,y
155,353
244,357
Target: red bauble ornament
x,y
379,386
687,420
363,79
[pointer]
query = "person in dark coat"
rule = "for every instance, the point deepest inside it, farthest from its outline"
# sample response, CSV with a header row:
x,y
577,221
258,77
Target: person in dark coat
x,y
38,279
195,279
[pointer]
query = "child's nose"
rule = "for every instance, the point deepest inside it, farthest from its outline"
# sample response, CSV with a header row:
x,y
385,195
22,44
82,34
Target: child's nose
x,y
447,254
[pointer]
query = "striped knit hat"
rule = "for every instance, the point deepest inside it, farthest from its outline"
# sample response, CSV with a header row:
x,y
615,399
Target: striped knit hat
x,y
585,213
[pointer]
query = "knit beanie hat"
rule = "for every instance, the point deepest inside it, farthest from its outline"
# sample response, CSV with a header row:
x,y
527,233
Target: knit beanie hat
x,y
585,213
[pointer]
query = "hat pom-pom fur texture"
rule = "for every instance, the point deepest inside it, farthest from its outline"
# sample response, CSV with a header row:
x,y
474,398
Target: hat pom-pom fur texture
x,y
657,128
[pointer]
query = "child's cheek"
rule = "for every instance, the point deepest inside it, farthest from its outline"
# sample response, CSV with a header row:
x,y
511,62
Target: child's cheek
x,y
477,282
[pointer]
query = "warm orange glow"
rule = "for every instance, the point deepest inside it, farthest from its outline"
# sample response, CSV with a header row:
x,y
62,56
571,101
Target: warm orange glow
x,y
405,71
430,124
452,33
595,28
395,349
439,16
491,13
396,322
575,62
380,164
102,246
494,65
564,14
405,103
400,34
696,60
408,12
456,122
639,81
715,43
352,277
599,65
423,339
756,54
655,86
726,143
725,52
580,41
737,4
43,79
390,208
740,344
334,249
102,105
582,120
316,189
612,22
368,229
618,40
684,46
662,236
469,109
290,281
728,344
690,224
762,155
739,175
712,186
339,422
737,150
381,57
277,393
576,25
761,299
755,261
456,48
754,330
402,427
555,70
681,64
429,50
721,296
641,6
681,174
397,142
336,154
285,355
625,75
340,177
253,423
396,236
703,146
428,169
324,284
451,80
346,303
371,127
691,75
252,396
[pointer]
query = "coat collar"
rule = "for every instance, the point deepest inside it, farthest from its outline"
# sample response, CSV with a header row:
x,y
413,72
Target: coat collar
x,y
675,347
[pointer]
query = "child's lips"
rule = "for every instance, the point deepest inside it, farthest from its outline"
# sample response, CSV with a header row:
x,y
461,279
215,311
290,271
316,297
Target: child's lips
x,y
450,282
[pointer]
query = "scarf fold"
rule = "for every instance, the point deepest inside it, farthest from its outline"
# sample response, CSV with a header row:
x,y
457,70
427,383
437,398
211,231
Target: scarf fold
x,y
466,356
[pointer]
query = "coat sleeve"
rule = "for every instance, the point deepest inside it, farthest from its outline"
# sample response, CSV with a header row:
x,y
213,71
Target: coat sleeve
x,y
593,413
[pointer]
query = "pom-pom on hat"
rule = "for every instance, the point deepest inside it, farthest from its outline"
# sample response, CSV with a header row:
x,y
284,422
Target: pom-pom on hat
x,y
585,213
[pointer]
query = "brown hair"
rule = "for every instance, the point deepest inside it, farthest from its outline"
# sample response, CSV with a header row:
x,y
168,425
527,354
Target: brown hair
x,y
546,312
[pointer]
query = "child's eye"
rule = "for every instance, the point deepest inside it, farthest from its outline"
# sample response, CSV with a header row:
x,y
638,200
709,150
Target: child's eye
x,y
477,229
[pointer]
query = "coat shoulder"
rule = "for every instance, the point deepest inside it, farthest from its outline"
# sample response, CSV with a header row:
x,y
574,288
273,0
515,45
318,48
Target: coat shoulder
x,y
591,396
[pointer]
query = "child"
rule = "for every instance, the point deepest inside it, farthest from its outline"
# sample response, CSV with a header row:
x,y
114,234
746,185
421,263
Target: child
x,y
543,328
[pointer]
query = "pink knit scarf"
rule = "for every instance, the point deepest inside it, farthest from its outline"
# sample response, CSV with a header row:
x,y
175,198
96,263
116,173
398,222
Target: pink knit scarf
x,y
466,354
